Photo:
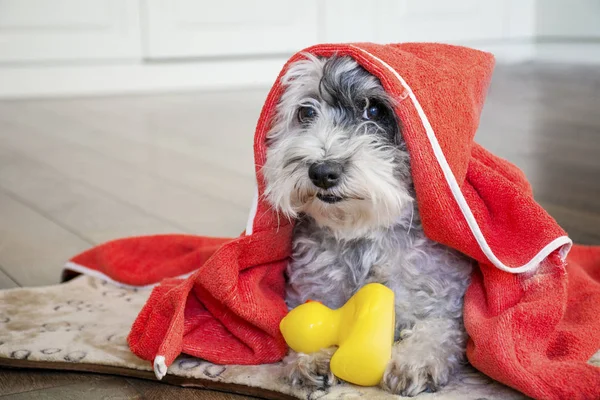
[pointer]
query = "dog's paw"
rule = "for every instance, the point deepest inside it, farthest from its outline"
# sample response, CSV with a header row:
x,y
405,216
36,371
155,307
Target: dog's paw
x,y
310,369
410,374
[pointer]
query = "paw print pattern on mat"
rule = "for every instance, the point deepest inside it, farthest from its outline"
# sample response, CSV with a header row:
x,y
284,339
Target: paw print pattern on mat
x,y
52,350
56,326
115,293
475,379
117,338
71,306
350,395
188,364
63,326
75,356
317,394
20,354
213,371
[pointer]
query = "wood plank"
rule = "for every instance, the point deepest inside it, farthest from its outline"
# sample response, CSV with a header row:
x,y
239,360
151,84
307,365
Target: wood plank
x,y
33,249
182,206
111,388
6,281
112,142
156,391
544,118
202,125
89,212
20,380
583,227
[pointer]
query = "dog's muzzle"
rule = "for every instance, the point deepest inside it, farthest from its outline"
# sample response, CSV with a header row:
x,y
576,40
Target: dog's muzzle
x,y
329,198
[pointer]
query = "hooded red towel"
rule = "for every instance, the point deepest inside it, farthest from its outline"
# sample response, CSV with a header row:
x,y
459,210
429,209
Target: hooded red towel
x,y
532,310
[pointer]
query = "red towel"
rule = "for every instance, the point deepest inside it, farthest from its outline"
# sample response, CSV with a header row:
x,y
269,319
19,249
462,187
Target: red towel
x,y
532,312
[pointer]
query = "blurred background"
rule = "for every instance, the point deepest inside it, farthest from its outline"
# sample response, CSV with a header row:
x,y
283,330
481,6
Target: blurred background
x,y
64,47
133,117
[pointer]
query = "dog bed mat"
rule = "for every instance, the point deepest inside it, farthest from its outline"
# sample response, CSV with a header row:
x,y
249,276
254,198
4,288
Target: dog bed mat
x,y
82,325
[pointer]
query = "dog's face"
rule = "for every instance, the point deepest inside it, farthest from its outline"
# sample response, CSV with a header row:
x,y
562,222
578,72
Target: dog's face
x,y
335,151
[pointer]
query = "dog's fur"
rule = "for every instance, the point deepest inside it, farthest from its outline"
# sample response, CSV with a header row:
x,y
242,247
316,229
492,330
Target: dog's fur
x,y
366,228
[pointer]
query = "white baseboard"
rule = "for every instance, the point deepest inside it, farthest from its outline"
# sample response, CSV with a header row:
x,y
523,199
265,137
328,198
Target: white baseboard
x,y
573,52
90,79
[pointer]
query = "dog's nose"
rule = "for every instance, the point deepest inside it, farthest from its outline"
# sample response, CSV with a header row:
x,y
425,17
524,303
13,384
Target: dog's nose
x,y
326,174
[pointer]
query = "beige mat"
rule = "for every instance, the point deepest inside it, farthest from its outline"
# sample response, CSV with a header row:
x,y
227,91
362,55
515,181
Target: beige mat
x,y
83,324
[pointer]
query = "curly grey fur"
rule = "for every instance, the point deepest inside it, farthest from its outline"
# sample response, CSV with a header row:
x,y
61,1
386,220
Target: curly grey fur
x,y
373,235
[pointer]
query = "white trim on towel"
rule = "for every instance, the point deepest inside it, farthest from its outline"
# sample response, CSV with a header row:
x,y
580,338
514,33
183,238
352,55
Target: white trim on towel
x,y
253,209
563,242
160,367
99,275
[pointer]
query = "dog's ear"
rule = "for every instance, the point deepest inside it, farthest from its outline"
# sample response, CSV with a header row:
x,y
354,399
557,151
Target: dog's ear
x,y
396,122
398,139
392,123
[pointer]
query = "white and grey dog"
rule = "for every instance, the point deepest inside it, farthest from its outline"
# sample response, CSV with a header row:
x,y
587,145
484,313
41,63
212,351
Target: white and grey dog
x,y
337,163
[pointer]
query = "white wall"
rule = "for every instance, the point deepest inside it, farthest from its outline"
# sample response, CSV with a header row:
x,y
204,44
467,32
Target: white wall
x,y
567,19
69,31
66,47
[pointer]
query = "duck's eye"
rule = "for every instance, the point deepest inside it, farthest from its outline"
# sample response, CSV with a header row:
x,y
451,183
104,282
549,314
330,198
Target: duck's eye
x,y
306,114
372,111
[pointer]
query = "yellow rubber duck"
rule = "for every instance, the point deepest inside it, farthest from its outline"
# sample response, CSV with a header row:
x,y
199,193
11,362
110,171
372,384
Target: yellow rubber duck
x,y
363,330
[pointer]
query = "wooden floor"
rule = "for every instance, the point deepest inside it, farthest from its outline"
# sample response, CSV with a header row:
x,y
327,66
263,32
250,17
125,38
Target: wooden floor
x,y
77,172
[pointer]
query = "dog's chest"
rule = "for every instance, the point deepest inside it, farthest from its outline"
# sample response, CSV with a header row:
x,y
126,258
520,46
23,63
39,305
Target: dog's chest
x,y
331,271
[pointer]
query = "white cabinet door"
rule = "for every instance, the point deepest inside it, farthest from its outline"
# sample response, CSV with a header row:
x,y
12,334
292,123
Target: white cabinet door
x,y
443,21
571,19
351,20
201,28
58,30
453,21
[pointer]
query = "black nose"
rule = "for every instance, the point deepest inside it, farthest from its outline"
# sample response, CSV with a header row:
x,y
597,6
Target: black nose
x,y
325,175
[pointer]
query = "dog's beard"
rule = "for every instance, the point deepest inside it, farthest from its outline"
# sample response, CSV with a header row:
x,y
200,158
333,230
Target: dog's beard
x,y
373,191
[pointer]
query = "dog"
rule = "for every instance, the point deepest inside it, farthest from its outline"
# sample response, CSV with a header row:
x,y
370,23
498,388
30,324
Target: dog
x,y
337,164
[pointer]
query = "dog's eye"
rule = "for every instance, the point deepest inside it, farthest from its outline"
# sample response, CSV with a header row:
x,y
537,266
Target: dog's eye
x,y
373,111
306,114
